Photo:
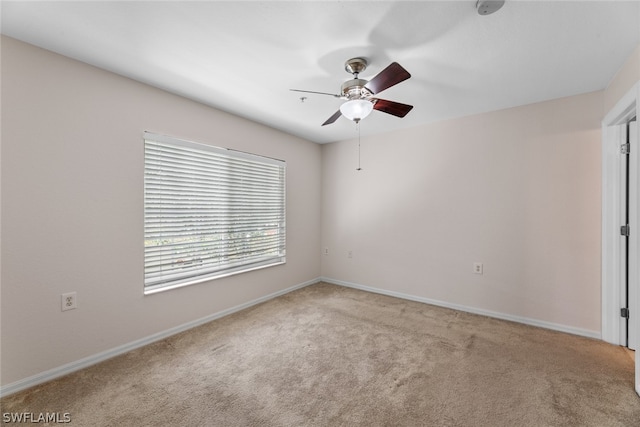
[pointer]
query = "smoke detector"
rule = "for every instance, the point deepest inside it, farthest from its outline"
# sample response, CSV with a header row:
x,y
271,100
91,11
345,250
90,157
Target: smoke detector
x,y
487,7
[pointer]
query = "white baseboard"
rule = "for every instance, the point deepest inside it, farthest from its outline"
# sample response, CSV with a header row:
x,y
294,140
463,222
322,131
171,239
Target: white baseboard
x,y
525,320
108,354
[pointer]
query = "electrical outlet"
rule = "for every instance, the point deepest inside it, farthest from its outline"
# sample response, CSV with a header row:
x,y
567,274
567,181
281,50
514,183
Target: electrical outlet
x,y
477,267
69,301
325,251
349,254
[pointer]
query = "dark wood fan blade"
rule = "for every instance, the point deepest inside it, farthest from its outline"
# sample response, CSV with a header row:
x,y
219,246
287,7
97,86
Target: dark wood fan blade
x,y
332,118
318,93
390,76
390,107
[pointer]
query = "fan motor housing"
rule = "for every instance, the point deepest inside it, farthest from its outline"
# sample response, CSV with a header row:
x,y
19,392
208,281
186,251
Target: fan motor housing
x,y
354,89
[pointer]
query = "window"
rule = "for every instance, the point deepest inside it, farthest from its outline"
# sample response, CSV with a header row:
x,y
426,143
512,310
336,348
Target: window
x,y
209,212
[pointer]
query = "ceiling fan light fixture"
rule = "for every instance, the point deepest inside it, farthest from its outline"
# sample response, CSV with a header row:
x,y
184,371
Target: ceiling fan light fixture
x,y
356,109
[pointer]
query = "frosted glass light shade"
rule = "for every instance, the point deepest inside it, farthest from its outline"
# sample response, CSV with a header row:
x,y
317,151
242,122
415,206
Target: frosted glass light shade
x,y
356,109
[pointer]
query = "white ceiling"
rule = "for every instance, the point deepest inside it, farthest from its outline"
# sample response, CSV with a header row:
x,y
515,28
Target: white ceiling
x,y
243,57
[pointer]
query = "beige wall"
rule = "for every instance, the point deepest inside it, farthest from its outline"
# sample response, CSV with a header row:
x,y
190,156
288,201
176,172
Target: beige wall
x,y
517,189
72,209
626,77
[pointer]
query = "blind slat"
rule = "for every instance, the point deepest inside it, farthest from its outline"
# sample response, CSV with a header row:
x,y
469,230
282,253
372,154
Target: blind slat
x,y
209,212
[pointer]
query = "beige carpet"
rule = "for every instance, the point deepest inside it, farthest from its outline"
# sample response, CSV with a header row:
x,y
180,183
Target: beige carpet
x,y
333,356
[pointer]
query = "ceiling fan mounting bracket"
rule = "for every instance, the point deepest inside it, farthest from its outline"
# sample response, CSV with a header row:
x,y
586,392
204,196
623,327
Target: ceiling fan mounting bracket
x,y
355,66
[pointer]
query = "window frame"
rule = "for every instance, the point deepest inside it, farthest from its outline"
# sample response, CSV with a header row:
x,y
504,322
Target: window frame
x,y
158,281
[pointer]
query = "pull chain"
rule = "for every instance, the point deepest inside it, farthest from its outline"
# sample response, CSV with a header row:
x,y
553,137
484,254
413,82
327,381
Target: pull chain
x,y
358,127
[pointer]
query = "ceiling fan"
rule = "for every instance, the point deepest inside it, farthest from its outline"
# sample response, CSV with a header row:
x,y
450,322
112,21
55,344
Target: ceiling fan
x,y
359,93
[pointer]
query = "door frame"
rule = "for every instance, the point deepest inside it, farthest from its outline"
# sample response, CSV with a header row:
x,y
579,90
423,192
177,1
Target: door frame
x,y
612,293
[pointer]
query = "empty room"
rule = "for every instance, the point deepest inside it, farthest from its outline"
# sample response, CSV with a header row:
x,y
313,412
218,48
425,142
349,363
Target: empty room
x,y
320,213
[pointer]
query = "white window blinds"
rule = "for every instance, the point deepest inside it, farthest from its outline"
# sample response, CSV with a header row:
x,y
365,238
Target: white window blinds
x,y
209,212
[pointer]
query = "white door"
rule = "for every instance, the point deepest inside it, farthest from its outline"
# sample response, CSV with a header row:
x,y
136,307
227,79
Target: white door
x,y
633,222
634,244
619,122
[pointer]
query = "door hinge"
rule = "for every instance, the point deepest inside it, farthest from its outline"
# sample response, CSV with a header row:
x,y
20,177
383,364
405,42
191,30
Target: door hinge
x,y
625,148
624,230
624,312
